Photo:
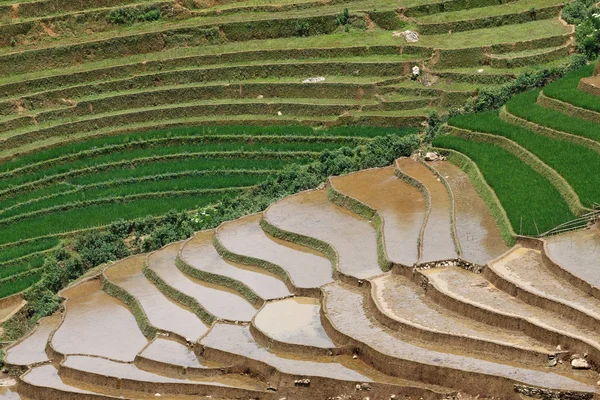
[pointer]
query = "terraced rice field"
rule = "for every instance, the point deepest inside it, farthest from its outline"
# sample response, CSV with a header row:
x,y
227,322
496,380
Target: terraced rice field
x,y
549,137
230,314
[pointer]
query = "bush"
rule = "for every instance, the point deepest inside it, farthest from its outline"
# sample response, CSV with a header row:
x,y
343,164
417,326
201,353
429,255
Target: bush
x,y
302,28
96,248
343,18
586,16
128,16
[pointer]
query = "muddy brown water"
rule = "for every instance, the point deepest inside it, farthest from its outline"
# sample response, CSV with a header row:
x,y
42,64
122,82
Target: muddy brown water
x,y
525,268
479,236
171,352
33,348
9,394
97,324
579,253
401,299
312,214
346,307
401,205
47,376
306,268
115,369
475,289
437,243
162,312
296,320
218,301
200,253
238,340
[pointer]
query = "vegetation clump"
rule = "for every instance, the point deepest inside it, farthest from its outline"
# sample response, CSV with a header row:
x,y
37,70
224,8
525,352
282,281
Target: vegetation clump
x,y
129,15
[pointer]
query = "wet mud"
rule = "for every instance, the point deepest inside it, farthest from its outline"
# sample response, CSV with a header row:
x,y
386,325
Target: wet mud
x,y
437,241
401,205
401,299
32,349
171,352
296,321
346,308
97,324
161,311
306,268
200,253
238,340
579,253
478,234
218,301
312,214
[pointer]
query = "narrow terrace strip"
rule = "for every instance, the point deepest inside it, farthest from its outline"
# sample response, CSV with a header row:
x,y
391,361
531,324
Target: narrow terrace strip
x,y
46,376
129,372
32,349
174,353
524,269
403,301
237,340
218,301
200,254
161,312
295,321
476,297
97,324
437,240
312,214
401,206
479,236
579,253
244,237
345,308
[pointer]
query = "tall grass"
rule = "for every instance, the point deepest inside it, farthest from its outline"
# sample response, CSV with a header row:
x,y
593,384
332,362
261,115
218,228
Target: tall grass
x,y
565,89
525,106
296,130
577,163
35,262
21,250
102,214
19,284
132,154
533,205
125,188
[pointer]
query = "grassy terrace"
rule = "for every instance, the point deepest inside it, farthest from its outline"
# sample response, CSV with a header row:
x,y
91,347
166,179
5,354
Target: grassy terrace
x,y
532,204
95,182
578,164
566,90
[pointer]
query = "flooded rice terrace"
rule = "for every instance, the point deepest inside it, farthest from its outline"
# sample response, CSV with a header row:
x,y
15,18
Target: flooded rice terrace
x,y
388,283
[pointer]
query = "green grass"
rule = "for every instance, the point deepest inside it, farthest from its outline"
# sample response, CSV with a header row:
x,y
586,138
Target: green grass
x,y
21,250
101,142
578,164
124,188
532,204
103,214
19,284
484,12
134,154
525,106
35,262
565,89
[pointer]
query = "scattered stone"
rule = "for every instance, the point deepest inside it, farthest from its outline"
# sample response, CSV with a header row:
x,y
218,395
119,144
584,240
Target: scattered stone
x,y
314,80
354,356
260,97
558,347
580,363
271,389
480,70
409,36
302,382
552,361
363,386
432,156
157,395
7,382
279,113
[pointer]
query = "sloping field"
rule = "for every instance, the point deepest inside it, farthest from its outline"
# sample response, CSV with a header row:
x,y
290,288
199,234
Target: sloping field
x,y
550,137
200,318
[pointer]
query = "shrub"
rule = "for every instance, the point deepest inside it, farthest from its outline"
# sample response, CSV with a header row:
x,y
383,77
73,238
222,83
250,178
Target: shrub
x,y
343,17
128,16
302,28
96,248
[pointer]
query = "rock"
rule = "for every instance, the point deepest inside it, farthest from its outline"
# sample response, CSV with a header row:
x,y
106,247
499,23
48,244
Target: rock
x,y
431,156
260,96
480,70
552,361
580,363
409,36
279,113
314,80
